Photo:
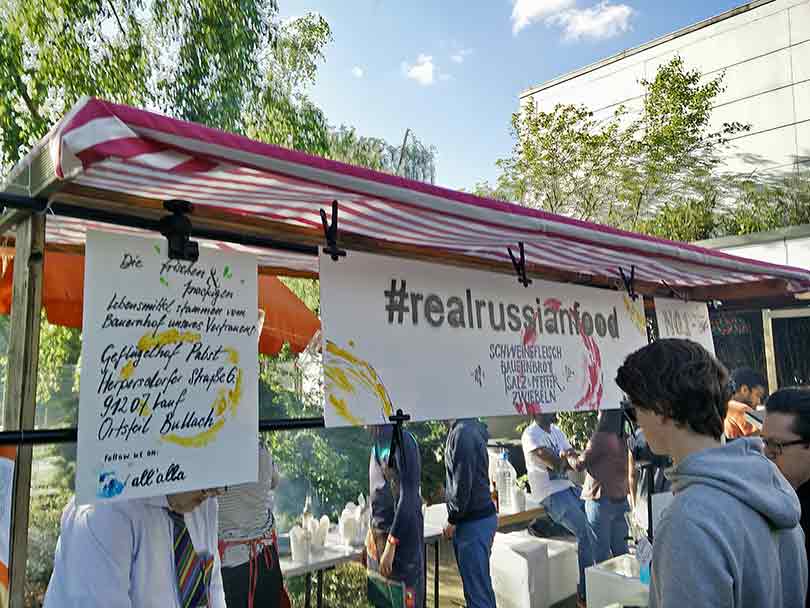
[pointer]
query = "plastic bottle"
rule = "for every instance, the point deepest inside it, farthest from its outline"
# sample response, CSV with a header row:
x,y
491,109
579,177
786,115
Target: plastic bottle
x,y
505,479
644,557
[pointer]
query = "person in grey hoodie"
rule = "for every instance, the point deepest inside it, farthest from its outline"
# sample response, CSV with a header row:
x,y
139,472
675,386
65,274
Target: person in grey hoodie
x,y
471,518
730,538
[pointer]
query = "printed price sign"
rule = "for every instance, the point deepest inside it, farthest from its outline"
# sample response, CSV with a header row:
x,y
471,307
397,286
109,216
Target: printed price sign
x,y
168,399
689,320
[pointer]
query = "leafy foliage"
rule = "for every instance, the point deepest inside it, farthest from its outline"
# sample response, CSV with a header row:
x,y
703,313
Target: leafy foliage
x,y
674,149
565,162
412,159
231,65
43,531
620,170
59,349
577,426
345,586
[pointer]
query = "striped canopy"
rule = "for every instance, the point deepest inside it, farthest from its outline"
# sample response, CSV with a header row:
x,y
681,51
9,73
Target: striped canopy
x,y
102,154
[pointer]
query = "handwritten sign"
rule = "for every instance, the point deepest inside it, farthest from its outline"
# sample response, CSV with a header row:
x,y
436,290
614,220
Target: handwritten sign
x,y
689,320
168,398
441,342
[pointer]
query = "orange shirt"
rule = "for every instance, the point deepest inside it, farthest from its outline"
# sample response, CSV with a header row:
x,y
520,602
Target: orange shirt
x,y
735,424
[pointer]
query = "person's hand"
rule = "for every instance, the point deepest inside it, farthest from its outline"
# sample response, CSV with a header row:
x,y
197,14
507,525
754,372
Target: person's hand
x,y
571,458
449,531
387,560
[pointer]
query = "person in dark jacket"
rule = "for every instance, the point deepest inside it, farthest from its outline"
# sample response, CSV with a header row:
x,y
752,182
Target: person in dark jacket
x,y
470,511
395,546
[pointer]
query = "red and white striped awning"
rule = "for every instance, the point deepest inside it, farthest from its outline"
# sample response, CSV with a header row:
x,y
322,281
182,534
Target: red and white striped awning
x,y
125,151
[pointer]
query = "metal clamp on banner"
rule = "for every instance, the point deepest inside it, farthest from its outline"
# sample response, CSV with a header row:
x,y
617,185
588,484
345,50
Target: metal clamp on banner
x,y
177,229
675,294
520,265
397,439
630,283
330,232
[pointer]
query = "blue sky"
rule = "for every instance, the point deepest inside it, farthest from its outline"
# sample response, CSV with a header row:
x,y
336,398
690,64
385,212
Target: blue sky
x,y
452,70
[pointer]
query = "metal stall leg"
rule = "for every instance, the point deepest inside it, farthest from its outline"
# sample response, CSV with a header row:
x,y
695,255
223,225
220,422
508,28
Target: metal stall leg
x,y
21,384
320,589
424,578
308,591
436,575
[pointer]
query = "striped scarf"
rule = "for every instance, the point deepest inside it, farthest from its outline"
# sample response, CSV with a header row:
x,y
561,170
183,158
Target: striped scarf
x,y
193,570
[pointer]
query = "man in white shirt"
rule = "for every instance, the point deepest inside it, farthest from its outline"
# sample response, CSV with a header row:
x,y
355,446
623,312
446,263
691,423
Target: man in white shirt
x,y
549,456
123,554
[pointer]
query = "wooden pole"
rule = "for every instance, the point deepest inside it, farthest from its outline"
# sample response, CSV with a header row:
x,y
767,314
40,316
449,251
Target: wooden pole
x,y
21,384
770,352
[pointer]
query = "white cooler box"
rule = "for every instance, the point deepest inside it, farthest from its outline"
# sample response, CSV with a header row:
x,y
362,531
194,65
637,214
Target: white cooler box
x,y
529,572
616,580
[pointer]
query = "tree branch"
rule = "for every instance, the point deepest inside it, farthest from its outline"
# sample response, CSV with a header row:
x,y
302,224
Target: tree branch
x,y
115,14
23,91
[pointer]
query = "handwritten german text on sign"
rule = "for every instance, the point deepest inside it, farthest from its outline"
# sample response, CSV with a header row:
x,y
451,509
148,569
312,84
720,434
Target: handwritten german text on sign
x,y
689,320
168,399
441,342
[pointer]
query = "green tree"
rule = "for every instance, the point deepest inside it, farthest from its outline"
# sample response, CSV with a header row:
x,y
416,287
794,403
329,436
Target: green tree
x,y
675,151
412,159
229,65
565,161
623,169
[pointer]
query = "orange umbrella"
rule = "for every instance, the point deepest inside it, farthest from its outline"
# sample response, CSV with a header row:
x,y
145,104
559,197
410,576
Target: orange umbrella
x,y
287,319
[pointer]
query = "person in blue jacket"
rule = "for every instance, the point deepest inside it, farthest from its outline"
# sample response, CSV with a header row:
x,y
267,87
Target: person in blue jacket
x,y
395,543
471,518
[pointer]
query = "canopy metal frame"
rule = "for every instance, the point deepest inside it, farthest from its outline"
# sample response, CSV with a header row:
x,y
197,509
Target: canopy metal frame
x,y
28,217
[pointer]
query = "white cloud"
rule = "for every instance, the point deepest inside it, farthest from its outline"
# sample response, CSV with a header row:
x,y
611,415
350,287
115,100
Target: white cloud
x,y
357,72
423,71
526,12
603,20
460,55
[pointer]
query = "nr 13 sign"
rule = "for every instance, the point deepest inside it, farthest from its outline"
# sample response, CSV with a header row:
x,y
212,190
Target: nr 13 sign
x,y
168,398
689,320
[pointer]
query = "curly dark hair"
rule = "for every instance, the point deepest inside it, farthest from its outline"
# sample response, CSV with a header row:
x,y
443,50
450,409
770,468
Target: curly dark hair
x,y
681,380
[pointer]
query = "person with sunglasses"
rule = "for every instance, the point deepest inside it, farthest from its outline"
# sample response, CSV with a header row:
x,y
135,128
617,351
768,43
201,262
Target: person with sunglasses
x,y
786,437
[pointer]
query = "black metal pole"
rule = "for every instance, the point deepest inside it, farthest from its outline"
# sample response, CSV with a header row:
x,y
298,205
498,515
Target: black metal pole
x,y
144,223
650,490
70,435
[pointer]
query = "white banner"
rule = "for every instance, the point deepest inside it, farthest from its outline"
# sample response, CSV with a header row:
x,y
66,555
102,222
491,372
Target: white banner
x,y
441,342
689,320
169,396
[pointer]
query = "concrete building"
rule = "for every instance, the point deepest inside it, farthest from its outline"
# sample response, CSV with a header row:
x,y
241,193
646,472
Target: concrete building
x,y
787,246
764,49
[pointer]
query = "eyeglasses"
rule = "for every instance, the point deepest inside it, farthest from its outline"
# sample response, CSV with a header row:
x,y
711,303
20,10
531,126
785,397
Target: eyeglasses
x,y
775,447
